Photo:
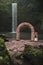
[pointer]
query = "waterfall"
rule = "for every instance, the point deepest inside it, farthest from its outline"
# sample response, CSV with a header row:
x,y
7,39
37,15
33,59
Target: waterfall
x,y
14,17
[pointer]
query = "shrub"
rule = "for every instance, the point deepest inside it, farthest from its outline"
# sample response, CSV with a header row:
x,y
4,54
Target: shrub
x,y
34,54
4,55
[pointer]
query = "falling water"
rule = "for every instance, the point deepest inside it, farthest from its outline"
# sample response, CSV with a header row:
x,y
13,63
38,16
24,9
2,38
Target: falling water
x,y
14,17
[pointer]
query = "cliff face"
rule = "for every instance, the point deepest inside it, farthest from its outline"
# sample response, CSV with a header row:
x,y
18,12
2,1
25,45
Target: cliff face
x,y
28,10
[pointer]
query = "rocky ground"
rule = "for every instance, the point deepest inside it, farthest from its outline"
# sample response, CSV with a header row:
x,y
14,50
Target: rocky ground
x,y
15,48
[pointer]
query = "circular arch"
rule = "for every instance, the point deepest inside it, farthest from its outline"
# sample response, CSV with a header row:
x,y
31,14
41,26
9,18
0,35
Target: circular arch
x,y
19,28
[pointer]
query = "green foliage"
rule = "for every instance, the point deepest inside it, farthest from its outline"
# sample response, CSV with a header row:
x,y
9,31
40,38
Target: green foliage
x,y
4,55
20,56
4,5
35,51
34,54
3,37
